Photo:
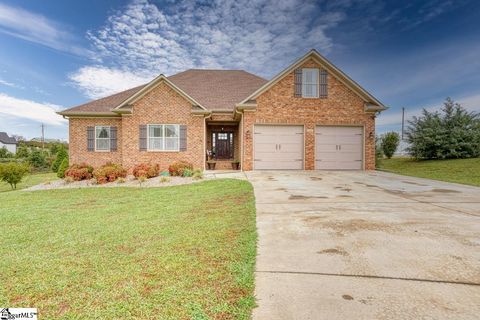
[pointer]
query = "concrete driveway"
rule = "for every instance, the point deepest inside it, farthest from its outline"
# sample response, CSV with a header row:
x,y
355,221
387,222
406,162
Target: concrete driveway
x,y
365,245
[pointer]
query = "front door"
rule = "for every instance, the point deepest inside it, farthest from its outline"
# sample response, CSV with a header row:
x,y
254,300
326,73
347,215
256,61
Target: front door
x,y
223,145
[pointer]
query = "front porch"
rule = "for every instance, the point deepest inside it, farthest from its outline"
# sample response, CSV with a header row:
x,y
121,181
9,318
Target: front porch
x,y
222,145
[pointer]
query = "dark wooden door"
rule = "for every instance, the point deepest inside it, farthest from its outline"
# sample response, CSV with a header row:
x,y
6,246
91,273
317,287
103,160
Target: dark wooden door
x,y
223,143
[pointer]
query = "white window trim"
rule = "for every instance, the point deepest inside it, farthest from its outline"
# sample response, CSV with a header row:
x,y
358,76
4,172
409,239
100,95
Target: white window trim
x,y
177,126
318,83
109,139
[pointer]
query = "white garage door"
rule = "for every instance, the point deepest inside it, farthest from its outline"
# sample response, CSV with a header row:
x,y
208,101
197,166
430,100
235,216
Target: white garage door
x,y
338,148
278,147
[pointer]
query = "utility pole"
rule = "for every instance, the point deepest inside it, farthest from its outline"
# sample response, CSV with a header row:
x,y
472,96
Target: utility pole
x,y
43,137
403,120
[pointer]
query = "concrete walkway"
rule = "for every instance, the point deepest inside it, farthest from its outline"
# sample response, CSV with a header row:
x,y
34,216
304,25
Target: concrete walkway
x,y
365,245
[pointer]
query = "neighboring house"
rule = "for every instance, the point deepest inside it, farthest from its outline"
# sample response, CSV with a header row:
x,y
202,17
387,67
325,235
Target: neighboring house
x,y
310,116
8,142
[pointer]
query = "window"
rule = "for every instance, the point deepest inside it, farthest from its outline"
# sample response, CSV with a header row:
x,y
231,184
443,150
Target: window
x,y
163,137
310,78
102,138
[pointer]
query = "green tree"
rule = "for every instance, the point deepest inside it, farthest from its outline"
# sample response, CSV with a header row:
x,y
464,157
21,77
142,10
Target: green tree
x,y
38,159
62,168
13,173
61,154
389,143
22,151
452,132
4,153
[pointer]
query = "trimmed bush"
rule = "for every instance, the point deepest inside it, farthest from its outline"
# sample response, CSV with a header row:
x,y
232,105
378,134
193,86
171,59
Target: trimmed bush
x,y
61,169
178,168
61,154
109,173
79,172
389,143
13,173
187,173
146,170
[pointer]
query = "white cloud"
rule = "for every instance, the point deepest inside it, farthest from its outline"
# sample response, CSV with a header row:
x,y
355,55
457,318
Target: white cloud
x,y
96,81
259,36
8,84
36,28
31,110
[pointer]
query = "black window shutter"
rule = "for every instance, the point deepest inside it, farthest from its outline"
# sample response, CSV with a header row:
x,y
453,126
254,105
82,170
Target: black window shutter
x,y
90,138
323,83
142,137
183,137
113,138
298,82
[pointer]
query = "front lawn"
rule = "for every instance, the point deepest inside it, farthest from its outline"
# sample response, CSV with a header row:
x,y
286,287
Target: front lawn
x,y
30,180
466,171
185,252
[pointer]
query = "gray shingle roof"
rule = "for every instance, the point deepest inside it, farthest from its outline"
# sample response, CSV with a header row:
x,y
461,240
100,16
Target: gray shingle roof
x,y
4,138
216,90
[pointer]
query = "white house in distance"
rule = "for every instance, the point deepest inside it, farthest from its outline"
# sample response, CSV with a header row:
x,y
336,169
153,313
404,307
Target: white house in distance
x,y
8,142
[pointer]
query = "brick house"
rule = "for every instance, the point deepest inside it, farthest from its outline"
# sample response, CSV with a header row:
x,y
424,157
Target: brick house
x,y
310,116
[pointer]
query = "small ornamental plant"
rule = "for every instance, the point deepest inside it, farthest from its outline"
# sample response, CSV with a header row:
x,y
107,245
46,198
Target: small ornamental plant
x,y
146,170
13,173
109,172
177,168
197,174
79,172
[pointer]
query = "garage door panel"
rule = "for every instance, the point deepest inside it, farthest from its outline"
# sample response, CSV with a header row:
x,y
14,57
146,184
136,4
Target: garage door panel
x,y
325,148
278,147
351,148
335,165
278,165
339,130
338,148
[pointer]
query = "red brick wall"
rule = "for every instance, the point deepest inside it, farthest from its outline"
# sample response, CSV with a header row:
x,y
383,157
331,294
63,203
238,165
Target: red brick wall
x,y
278,105
78,141
162,105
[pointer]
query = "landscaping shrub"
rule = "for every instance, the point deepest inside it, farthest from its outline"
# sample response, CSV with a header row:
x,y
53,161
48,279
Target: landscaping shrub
x,y
451,133
4,153
38,159
61,154
389,143
177,168
109,172
187,173
79,172
61,169
197,174
146,170
13,173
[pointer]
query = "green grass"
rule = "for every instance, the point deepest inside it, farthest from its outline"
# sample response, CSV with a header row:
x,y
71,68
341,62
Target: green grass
x,y
466,171
183,252
30,180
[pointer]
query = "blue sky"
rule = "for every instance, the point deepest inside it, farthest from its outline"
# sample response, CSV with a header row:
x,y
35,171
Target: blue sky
x,y
57,54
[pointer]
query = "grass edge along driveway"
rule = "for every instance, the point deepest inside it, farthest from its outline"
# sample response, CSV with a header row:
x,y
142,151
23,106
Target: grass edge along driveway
x,y
182,252
464,171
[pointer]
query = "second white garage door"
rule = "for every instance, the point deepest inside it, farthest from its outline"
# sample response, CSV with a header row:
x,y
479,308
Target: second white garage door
x,y
278,147
338,148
